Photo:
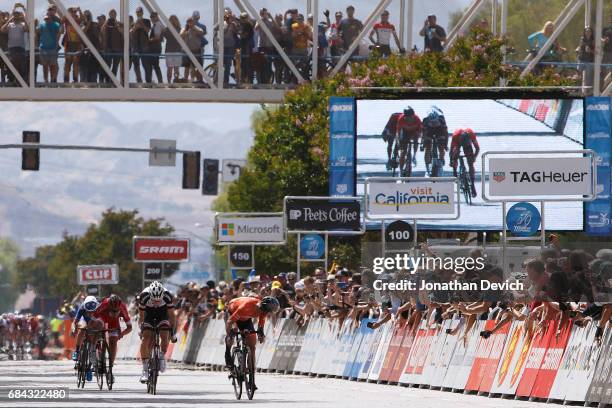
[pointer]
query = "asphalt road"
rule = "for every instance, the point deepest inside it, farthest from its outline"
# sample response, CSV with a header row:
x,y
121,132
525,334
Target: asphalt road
x,y
184,388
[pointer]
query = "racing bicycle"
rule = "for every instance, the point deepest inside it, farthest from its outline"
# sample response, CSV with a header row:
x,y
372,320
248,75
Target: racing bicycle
x,y
465,182
406,169
154,358
242,371
434,167
104,368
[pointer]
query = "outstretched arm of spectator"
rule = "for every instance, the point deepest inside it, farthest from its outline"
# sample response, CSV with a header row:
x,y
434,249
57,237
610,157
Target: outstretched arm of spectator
x,y
423,30
397,41
371,37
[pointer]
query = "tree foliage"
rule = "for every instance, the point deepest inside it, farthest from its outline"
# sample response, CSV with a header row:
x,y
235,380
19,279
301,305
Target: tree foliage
x,y
291,146
9,253
528,16
52,270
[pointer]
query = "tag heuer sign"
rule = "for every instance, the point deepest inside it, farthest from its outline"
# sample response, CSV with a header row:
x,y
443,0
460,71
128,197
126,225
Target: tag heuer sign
x,y
545,177
499,176
160,249
305,214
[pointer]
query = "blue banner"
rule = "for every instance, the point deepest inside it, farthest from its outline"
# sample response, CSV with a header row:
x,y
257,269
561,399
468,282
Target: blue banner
x,y
599,139
341,146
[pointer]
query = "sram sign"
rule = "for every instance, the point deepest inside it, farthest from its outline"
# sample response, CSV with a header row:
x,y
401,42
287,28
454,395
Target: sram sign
x,y
160,249
97,274
541,177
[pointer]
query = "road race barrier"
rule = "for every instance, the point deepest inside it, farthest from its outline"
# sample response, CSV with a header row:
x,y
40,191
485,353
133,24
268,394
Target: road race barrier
x,y
566,365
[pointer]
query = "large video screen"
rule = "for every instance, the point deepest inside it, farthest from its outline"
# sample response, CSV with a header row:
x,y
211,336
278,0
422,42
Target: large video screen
x,y
447,137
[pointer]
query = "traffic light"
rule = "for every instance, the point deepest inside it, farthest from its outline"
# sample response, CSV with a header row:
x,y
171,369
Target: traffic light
x,y
210,186
191,170
30,157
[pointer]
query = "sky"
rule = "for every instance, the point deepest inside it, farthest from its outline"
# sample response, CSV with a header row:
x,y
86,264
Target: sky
x,y
73,188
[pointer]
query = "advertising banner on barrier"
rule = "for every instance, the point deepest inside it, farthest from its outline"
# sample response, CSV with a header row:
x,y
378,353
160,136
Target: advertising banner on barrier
x,y
381,352
296,347
250,229
388,200
512,361
322,215
600,390
552,361
309,346
488,353
374,340
341,146
403,352
392,352
582,368
599,139
481,358
540,176
364,350
411,366
495,345
538,349
444,352
465,367
282,350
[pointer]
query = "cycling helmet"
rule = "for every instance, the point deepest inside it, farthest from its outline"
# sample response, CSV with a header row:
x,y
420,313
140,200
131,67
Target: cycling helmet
x,y
90,304
409,111
435,113
114,300
269,304
156,290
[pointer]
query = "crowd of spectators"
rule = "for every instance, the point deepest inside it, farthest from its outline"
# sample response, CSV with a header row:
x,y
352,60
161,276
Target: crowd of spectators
x,y
250,55
570,286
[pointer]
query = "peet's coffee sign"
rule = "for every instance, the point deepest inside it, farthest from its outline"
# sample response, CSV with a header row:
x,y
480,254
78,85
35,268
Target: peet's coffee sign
x,y
323,215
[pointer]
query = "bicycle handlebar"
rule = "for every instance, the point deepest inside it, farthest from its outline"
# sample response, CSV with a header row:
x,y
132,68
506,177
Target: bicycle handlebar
x,y
157,328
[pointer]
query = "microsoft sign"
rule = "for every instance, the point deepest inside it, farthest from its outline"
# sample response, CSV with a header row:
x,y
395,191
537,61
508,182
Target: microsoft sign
x,y
234,228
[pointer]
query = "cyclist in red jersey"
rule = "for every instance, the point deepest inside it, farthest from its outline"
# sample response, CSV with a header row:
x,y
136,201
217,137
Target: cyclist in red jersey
x,y
409,128
465,139
110,310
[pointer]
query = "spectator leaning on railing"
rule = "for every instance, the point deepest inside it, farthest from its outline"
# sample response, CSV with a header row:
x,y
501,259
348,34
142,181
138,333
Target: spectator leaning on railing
x,y
586,55
174,57
16,29
49,32
383,31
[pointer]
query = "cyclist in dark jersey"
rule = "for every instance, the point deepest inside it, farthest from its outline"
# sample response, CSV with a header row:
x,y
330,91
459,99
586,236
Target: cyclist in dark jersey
x,y
434,127
155,307
465,139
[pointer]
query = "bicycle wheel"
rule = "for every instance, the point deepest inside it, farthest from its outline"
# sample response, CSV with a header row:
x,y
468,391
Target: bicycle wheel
x,y
109,368
467,190
249,375
82,365
153,372
237,377
100,354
